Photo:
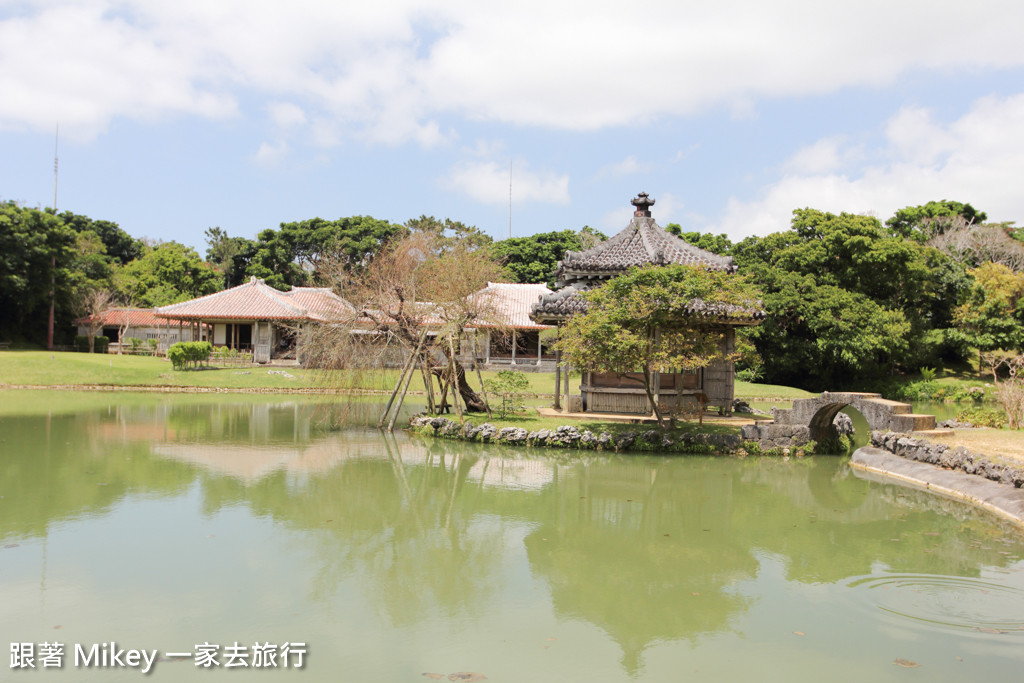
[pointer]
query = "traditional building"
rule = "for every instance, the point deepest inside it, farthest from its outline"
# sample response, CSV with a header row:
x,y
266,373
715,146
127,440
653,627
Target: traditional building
x,y
256,317
643,243
140,323
520,341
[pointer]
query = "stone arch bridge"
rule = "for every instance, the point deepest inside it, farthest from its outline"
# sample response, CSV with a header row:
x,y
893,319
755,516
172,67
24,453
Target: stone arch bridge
x,y
815,415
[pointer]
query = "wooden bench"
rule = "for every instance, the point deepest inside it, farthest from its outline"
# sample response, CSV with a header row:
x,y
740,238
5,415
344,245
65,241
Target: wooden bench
x,y
4,345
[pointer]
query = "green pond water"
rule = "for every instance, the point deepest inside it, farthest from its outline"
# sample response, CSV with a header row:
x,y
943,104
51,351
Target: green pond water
x,y
168,522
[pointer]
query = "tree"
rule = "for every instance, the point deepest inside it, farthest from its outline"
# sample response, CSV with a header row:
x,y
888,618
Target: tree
x,y
974,245
229,256
855,254
535,258
93,304
646,320
167,273
37,260
449,231
822,336
292,256
118,245
415,283
921,223
992,313
717,244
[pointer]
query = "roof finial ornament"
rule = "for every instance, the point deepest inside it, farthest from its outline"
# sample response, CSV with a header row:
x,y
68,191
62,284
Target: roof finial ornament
x,y
643,205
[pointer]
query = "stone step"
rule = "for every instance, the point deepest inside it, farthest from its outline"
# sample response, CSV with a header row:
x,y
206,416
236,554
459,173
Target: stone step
x,y
897,407
911,422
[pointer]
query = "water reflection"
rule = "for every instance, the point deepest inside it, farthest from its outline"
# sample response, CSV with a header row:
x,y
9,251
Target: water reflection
x,y
425,535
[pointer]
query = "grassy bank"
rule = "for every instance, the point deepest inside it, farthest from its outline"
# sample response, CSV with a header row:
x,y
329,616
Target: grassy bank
x,y
53,369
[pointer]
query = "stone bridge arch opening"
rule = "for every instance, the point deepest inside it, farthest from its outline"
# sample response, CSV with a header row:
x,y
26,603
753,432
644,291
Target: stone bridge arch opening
x,y
822,426
811,418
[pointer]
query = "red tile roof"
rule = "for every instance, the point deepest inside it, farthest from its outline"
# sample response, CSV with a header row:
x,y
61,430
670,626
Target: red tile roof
x,y
255,300
137,317
513,303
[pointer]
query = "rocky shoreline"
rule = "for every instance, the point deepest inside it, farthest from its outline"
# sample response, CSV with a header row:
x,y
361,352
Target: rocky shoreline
x,y
568,436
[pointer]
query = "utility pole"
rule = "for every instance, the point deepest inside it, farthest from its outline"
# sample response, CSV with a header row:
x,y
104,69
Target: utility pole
x,y
53,255
510,199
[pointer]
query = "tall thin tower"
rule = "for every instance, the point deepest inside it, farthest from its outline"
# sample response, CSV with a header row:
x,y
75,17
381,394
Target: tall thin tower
x,y
510,199
53,256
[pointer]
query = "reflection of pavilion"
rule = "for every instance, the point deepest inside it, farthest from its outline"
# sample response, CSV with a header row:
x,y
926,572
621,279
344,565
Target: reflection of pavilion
x,y
506,473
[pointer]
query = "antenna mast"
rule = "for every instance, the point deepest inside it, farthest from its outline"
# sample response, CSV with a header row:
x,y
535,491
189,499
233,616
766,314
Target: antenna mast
x,y
510,199
56,142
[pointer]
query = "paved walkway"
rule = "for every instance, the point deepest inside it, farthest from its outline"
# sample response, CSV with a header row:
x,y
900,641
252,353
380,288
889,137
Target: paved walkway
x,y
1004,500
736,420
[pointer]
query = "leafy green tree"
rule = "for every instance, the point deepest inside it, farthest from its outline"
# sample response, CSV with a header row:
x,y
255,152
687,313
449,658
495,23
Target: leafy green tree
x,y
37,257
644,320
295,254
822,336
535,258
992,313
855,254
230,256
449,232
921,223
167,273
118,245
512,387
717,244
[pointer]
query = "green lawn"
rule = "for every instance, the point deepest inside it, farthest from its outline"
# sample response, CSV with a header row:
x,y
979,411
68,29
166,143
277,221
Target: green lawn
x,y
46,369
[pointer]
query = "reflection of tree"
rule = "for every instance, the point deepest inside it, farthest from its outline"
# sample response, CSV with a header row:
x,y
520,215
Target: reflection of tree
x,y
635,548
59,468
646,548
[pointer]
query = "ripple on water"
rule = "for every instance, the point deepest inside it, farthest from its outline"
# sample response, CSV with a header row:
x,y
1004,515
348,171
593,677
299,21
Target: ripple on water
x,y
948,603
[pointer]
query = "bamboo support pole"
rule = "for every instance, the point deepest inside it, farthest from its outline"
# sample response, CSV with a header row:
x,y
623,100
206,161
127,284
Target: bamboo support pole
x,y
405,370
479,376
454,380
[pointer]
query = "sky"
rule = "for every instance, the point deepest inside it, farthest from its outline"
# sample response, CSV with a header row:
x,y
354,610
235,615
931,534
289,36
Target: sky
x,y
519,117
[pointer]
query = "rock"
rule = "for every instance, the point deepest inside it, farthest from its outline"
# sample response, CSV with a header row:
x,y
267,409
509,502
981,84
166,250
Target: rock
x,y
843,424
565,436
739,406
625,441
539,438
605,441
588,439
487,432
513,435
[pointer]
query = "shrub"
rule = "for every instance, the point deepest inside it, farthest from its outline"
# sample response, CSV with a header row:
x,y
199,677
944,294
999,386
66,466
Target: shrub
x,y
983,417
100,346
513,388
183,353
927,374
134,342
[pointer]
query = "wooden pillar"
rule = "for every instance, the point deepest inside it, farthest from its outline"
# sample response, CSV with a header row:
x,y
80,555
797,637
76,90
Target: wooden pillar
x,y
539,349
487,349
513,347
558,380
567,369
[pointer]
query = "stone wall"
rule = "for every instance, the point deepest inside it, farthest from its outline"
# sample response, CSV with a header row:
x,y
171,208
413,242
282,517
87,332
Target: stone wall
x,y
941,455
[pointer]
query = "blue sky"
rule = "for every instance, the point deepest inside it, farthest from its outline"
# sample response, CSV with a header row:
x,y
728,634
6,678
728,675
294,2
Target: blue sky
x,y
243,114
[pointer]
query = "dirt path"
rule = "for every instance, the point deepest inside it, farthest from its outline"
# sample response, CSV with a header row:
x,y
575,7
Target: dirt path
x,y
995,443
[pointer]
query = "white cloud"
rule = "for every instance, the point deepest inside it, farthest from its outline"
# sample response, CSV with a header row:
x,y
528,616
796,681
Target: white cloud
x,y
978,158
627,166
390,71
271,153
286,114
488,183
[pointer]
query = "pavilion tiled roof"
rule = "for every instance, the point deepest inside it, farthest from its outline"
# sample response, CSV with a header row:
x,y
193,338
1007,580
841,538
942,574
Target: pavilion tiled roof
x,y
137,317
255,300
642,243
